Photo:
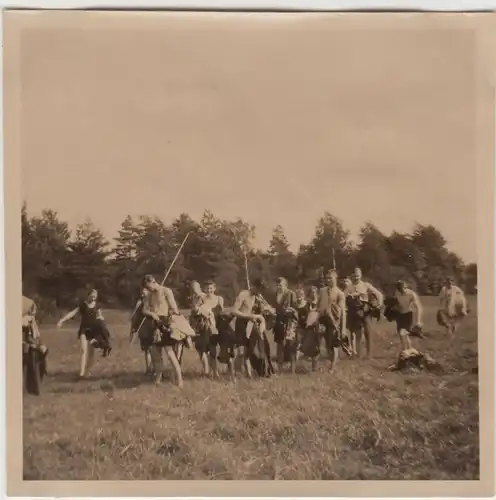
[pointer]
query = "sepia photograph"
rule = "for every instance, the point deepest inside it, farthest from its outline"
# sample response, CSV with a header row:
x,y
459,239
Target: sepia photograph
x,y
248,247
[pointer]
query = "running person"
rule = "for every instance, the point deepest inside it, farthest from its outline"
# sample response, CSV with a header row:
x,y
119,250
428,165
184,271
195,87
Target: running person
x,y
93,332
362,292
409,313
159,305
452,306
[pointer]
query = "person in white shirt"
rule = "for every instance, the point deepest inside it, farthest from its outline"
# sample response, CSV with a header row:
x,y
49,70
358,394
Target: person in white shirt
x,y
452,306
409,312
361,291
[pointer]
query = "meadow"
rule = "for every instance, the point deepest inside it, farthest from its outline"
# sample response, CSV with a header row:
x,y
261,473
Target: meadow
x,y
362,422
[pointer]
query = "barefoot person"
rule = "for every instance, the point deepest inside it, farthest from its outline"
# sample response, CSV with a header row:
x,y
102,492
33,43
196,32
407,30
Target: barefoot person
x,y
245,305
332,314
452,306
362,295
285,300
93,332
160,305
140,322
206,309
409,313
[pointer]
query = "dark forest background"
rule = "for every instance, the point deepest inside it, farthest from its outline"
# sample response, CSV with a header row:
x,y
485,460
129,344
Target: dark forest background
x,y
59,265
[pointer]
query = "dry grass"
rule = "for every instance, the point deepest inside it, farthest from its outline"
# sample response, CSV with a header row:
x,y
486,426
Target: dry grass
x,y
361,423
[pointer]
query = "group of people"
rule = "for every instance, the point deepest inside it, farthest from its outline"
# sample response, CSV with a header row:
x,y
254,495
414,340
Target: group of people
x,y
338,313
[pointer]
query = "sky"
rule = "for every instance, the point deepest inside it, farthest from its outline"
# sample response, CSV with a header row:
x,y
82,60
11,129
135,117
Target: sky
x,y
273,121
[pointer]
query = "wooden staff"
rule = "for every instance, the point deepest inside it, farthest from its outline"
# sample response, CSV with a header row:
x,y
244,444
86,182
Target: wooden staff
x,y
246,270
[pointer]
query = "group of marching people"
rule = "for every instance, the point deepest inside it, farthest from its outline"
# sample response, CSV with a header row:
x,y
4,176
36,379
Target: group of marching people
x,y
339,313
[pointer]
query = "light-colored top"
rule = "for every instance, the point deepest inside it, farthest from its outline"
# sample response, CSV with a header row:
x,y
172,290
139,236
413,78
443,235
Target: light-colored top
x,y
452,297
161,302
365,290
409,302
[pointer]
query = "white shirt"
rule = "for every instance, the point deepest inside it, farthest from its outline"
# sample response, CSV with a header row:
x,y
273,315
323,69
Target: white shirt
x,y
364,290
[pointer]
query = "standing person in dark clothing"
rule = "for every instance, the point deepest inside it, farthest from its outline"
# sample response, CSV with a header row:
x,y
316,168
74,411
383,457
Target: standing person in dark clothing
x,y
93,332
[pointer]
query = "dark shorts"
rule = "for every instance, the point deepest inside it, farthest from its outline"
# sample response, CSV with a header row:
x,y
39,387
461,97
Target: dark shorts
x,y
331,334
97,331
404,321
240,339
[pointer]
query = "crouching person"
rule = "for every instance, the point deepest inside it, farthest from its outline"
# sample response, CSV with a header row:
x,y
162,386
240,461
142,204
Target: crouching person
x,y
160,306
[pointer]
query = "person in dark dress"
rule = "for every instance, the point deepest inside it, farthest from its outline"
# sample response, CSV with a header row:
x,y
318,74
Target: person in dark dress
x,y
93,332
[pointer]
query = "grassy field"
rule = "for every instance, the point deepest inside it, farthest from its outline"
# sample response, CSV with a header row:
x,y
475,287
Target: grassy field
x,y
362,422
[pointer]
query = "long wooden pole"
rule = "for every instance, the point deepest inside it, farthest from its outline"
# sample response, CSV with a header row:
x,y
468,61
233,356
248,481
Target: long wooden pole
x,y
167,274
246,270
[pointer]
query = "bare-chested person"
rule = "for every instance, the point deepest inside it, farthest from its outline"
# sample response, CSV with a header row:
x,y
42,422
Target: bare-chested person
x,y
360,321
159,305
409,313
243,310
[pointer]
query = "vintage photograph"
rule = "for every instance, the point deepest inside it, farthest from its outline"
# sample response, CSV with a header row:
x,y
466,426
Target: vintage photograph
x,y
248,250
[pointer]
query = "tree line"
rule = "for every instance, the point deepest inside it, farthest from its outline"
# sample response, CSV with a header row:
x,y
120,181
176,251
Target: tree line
x,y
59,265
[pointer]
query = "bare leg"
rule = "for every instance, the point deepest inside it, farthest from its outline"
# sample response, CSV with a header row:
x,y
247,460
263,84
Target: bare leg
x,y
148,361
213,361
280,357
358,342
406,343
175,364
205,364
367,330
247,363
158,362
353,343
84,355
231,366
90,358
333,358
293,362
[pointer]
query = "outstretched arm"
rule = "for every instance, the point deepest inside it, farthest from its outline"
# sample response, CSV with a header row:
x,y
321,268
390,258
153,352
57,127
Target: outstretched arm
x,y
68,316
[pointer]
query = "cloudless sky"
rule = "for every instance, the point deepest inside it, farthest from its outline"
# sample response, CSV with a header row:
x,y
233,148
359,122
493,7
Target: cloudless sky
x,y
274,122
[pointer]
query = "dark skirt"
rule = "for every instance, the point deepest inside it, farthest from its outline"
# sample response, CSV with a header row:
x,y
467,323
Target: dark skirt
x,y
96,331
